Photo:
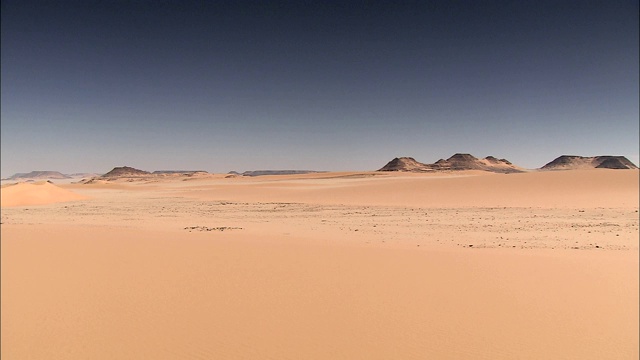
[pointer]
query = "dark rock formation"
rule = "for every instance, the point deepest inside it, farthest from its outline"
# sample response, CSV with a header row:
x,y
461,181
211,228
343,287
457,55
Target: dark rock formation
x,y
125,171
405,164
572,162
39,175
456,162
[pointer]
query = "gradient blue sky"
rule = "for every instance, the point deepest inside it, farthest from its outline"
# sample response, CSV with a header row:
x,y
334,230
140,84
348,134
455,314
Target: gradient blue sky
x,y
246,85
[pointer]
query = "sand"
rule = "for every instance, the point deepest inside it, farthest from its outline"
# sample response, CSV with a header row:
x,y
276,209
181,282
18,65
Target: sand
x,y
461,265
38,193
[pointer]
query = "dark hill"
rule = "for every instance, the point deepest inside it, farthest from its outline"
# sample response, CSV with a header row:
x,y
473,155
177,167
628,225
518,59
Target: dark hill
x,y
39,175
456,162
573,162
405,164
125,171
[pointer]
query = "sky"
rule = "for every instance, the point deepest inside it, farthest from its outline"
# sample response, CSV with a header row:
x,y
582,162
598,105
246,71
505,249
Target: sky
x,y
314,85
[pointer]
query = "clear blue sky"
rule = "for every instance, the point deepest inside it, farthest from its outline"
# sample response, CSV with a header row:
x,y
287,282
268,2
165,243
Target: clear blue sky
x,y
247,85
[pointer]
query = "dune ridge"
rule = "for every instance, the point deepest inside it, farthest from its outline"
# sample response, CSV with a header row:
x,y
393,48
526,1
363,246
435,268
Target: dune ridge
x,y
40,193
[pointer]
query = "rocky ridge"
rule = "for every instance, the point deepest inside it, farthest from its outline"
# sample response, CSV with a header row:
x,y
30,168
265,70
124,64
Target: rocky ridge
x,y
39,175
574,162
125,171
458,161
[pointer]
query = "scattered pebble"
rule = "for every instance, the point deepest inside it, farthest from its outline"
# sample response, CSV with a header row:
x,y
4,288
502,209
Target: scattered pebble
x,y
204,228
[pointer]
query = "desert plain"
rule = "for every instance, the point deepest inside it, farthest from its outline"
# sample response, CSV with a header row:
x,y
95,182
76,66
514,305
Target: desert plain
x,y
353,265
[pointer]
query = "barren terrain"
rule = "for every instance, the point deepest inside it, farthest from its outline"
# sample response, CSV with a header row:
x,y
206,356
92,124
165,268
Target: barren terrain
x,y
452,265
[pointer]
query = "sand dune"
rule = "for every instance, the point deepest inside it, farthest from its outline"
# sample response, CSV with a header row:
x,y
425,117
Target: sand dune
x,y
457,265
40,193
132,294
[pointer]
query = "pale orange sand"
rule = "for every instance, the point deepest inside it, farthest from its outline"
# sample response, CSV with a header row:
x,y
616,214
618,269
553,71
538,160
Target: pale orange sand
x,y
329,266
40,193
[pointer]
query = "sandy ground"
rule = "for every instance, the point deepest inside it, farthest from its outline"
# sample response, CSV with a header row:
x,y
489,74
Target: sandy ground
x,y
38,193
462,265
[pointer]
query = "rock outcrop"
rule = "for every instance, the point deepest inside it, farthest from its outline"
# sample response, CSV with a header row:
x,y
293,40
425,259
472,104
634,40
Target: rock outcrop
x,y
574,162
456,162
405,164
125,171
39,175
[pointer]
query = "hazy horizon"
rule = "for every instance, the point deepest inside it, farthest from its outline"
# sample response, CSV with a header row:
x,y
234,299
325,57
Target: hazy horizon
x,y
222,86
195,169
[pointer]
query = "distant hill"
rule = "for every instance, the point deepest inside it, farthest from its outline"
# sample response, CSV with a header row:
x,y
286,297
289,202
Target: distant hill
x,y
39,175
129,172
456,162
405,164
470,162
83,175
184,172
278,172
574,162
125,171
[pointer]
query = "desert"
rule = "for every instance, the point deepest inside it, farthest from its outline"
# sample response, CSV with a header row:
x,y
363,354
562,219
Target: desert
x,y
466,264
319,180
